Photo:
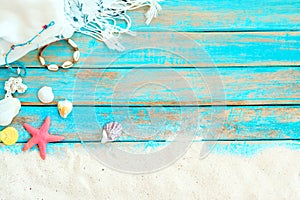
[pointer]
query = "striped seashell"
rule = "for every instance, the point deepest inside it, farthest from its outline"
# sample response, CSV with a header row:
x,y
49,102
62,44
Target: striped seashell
x,y
76,55
67,64
53,67
111,132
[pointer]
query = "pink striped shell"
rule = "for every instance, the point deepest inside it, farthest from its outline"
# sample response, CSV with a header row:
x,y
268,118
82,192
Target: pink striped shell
x,y
111,132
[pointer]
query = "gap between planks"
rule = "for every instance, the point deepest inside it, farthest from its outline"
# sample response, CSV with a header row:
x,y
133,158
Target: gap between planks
x,y
215,49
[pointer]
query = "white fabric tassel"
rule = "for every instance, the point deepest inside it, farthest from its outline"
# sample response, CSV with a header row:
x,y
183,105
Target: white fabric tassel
x,y
114,44
153,11
100,21
135,4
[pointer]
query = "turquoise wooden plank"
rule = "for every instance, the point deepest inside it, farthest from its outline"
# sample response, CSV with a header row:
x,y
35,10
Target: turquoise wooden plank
x,y
224,15
164,123
180,50
180,86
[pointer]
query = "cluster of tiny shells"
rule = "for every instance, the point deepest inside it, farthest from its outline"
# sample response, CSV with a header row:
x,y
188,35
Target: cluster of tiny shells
x,y
67,64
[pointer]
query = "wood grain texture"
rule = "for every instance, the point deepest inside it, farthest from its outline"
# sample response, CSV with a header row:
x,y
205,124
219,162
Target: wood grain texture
x,y
167,49
255,44
227,15
165,123
157,87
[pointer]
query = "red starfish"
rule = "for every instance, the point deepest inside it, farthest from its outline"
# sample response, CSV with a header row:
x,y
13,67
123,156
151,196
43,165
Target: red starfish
x,y
41,137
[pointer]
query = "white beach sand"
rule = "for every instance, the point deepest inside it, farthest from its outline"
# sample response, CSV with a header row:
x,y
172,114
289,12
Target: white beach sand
x,y
271,174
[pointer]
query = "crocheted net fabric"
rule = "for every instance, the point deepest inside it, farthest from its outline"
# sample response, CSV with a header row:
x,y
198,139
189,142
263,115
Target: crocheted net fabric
x,y
101,19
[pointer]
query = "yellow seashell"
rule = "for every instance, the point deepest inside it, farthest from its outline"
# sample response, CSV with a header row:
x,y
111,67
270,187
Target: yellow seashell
x,y
9,136
64,108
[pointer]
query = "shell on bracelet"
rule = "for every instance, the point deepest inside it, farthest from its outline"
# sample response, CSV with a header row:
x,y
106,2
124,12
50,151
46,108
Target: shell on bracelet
x,y
72,43
42,60
67,64
76,56
53,67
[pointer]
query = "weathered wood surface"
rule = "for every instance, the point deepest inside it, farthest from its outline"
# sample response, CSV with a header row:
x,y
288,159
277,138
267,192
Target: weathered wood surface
x,y
164,123
167,49
227,15
237,86
255,45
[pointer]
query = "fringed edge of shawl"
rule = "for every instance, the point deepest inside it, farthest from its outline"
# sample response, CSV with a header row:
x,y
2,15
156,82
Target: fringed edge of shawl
x,y
104,26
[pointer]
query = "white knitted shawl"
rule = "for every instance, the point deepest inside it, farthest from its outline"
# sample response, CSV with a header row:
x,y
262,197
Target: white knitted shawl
x,y
20,21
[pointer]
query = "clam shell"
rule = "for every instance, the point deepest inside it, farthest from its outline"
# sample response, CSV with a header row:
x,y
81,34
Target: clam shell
x,y
53,67
67,64
9,136
64,108
111,132
76,56
46,95
72,43
9,108
42,60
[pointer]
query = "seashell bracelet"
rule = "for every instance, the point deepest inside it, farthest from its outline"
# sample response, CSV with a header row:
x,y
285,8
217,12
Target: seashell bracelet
x,y
67,64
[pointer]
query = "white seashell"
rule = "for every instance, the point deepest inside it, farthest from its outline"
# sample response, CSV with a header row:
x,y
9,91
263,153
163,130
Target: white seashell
x,y
46,95
42,60
76,56
9,108
67,64
72,43
53,67
64,108
111,132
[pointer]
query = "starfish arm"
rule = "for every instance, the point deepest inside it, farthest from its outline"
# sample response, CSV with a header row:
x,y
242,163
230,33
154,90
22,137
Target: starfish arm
x,y
46,125
29,144
54,138
42,147
33,131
